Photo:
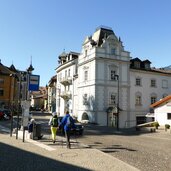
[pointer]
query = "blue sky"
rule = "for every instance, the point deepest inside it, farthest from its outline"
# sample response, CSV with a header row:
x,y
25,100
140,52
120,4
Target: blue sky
x,y
44,28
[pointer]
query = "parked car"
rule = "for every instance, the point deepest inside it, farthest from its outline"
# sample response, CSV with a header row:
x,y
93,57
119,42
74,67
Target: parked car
x,y
1,115
79,128
5,114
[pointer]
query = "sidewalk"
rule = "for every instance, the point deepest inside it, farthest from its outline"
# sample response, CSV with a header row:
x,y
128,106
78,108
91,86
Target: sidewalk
x,y
34,155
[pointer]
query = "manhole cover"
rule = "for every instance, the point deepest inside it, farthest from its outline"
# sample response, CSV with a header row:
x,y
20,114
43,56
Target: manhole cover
x,y
68,154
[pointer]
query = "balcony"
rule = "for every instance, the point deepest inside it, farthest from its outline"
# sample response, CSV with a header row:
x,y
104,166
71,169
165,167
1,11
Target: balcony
x,y
66,95
66,80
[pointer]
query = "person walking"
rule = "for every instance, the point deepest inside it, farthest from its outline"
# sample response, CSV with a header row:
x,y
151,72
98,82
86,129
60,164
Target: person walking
x,y
53,122
67,123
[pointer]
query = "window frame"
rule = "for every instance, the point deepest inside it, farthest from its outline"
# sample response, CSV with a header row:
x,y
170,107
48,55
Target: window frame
x,y
86,75
138,80
153,83
168,117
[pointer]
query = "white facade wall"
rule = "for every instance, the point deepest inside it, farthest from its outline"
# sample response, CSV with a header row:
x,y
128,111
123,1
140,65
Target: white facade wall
x,y
146,90
161,114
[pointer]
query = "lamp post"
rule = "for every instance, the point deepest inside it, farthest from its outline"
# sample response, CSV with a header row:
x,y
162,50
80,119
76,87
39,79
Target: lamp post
x,y
12,111
117,77
18,105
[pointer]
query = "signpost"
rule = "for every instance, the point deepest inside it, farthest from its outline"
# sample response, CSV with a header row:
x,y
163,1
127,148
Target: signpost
x,y
33,84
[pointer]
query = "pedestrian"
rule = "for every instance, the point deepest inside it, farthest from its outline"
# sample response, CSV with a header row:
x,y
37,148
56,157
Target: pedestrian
x,y
31,125
67,123
53,122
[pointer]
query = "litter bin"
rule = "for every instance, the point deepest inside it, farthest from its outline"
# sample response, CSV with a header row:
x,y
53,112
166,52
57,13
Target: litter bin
x,y
37,131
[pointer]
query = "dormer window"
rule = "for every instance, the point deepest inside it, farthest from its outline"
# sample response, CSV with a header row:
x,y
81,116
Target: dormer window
x,y
137,64
147,66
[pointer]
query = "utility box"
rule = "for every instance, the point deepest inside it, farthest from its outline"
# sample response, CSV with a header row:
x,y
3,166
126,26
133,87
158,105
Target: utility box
x,y
36,131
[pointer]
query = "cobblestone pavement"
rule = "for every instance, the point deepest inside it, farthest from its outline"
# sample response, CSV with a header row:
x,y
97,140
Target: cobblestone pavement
x,y
145,151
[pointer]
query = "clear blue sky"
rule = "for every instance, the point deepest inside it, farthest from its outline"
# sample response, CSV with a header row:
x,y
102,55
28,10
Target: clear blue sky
x,y
43,28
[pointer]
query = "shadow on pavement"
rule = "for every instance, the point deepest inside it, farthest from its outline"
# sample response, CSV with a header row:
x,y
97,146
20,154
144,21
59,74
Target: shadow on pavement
x,y
104,130
12,158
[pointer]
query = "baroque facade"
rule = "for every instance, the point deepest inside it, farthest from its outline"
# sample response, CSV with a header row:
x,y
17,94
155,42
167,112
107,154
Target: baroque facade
x,y
104,85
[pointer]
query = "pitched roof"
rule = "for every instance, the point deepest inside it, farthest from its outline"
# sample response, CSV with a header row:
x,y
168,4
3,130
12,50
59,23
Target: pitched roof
x,y
162,101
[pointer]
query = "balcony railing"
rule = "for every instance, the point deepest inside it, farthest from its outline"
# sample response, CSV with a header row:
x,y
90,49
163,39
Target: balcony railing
x,y
66,94
66,80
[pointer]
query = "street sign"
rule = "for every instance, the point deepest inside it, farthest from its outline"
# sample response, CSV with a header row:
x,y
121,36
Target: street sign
x,y
33,82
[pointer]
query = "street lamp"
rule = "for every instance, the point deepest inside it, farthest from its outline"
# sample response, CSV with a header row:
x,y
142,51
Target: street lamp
x,y
117,77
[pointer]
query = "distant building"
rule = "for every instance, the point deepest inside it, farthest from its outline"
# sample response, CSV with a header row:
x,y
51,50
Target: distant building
x,y
39,99
52,94
104,85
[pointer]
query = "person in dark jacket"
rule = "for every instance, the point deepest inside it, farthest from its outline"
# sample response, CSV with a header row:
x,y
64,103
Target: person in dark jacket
x,y
67,123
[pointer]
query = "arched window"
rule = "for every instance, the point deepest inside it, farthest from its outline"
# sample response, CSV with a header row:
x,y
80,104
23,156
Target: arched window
x,y
138,99
153,98
85,116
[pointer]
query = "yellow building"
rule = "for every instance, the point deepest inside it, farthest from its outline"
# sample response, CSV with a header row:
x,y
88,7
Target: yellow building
x,y
7,86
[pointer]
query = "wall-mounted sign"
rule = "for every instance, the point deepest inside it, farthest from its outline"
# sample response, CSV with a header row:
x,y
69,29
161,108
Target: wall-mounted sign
x,y
34,82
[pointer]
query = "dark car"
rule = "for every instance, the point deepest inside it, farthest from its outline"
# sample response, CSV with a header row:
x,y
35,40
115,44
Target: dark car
x,y
79,128
5,114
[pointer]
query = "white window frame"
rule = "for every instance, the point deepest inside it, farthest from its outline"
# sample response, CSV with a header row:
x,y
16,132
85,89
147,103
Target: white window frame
x,y
138,99
165,84
85,99
112,99
86,75
138,81
153,99
112,74
153,83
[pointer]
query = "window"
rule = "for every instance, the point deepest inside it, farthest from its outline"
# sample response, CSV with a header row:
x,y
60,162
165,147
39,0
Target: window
x,y
69,73
112,75
85,52
153,99
1,81
153,83
169,116
65,73
1,92
138,100
112,99
147,66
85,99
137,64
138,82
113,51
85,75
164,84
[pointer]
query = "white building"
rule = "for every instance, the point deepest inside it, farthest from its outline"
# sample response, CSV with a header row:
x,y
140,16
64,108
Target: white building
x,y
104,85
162,111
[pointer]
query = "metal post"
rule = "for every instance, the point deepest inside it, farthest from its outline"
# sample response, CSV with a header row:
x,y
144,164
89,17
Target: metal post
x,y
118,107
18,107
11,129
117,76
12,106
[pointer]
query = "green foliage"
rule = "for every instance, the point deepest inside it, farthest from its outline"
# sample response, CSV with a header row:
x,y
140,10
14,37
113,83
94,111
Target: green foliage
x,y
156,124
167,126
